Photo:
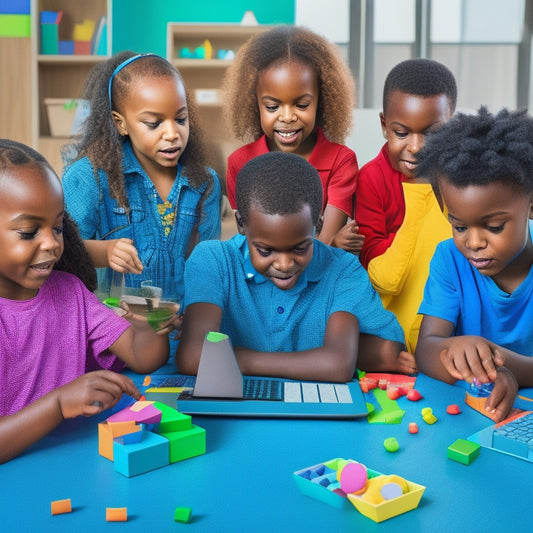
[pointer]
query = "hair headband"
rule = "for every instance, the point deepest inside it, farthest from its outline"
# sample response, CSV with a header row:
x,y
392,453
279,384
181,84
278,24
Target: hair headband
x,y
120,67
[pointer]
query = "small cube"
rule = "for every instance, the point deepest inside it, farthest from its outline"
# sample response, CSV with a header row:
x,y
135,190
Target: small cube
x,y
182,514
61,506
116,514
463,451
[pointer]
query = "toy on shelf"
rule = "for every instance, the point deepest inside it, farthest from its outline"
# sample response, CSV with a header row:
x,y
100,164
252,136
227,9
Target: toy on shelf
x,y
148,435
205,52
376,496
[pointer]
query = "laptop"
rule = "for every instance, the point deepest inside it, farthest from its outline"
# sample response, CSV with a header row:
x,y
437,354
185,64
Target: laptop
x,y
220,389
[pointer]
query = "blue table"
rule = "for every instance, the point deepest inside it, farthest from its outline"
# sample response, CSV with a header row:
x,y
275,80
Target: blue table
x,y
244,481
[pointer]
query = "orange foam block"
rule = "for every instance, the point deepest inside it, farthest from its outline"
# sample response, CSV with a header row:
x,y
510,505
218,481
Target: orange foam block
x,y
116,514
107,431
61,506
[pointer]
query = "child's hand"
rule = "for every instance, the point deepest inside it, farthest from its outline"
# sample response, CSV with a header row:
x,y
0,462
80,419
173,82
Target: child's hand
x,y
502,397
470,357
348,238
406,363
94,392
174,324
122,256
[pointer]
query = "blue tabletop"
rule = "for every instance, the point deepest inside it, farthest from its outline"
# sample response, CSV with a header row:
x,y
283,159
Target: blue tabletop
x,y
244,481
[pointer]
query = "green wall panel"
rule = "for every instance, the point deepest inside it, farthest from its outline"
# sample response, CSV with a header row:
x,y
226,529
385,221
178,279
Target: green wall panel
x,y
141,25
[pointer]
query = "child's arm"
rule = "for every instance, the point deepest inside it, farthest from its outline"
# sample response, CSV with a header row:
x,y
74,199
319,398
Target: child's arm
x,y
335,360
140,347
79,397
119,254
349,238
382,355
332,221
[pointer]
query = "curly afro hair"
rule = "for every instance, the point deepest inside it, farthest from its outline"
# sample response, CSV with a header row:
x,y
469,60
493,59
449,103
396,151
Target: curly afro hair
x,y
481,148
421,77
336,85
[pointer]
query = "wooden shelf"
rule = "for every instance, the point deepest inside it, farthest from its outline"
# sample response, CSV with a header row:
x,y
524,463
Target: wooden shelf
x,y
204,76
60,76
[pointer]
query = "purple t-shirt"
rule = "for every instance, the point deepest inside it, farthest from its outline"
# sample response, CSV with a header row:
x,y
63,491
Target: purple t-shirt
x,y
51,339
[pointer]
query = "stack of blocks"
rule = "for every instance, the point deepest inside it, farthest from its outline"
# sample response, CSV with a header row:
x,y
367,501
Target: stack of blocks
x,y
15,18
148,435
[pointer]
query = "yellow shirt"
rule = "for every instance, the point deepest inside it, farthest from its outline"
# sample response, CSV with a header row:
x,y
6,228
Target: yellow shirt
x,y
399,275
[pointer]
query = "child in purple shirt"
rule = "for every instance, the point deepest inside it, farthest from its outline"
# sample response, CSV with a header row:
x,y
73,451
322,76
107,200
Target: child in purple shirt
x,y
53,328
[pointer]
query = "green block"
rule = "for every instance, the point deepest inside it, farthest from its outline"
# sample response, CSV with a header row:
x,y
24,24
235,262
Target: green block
x,y
171,419
15,25
463,451
186,444
49,39
182,514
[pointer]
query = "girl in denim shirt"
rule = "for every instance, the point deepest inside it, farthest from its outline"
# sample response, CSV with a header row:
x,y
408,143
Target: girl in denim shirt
x,y
136,180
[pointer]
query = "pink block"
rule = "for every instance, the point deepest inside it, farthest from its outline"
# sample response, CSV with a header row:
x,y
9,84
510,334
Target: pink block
x,y
147,415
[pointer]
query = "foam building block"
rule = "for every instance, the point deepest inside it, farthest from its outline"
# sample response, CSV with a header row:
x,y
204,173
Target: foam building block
x,y
137,458
171,419
61,506
166,395
185,444
141,412
116,514
15,25
107,431
15,7
463,451
182,514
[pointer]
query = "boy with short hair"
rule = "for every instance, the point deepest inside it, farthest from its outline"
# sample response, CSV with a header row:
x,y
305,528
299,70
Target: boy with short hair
x,y
397,211
478,301
292,306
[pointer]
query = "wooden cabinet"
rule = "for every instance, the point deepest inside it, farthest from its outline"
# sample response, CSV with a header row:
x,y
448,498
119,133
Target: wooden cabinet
x,y
60,76
203,77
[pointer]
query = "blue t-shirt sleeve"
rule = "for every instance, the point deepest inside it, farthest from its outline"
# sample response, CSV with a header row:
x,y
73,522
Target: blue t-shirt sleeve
x,y
82,197
204,277
442,291
354,293
209,227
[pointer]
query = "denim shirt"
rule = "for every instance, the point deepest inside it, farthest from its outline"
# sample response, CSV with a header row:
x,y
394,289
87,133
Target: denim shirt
x,y
100,217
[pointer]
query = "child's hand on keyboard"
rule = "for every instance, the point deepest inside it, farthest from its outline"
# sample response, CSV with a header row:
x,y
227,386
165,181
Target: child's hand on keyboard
x,y
469,357
500,402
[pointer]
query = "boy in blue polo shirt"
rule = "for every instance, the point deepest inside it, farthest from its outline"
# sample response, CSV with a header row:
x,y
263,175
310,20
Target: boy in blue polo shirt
x,y
292,306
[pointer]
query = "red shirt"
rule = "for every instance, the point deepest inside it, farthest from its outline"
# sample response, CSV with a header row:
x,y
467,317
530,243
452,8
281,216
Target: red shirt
x,y
379,206
336,164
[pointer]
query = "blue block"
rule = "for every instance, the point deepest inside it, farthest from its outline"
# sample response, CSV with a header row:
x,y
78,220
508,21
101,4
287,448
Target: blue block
x,y
151,452
66,47
15,7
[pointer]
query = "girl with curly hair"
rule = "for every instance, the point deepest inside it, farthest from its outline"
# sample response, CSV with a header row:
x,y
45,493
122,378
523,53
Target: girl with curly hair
x,y
289,90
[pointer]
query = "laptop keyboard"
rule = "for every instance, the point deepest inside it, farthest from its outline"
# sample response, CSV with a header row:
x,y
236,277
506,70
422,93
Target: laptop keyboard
x,y
178,381
515,437
279,390
262,389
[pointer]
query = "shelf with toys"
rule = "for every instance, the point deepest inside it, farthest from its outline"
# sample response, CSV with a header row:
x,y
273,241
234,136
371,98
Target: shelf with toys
x,y
69,37
202,53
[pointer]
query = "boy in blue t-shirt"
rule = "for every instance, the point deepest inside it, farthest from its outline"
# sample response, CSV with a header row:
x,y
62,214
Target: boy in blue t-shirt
x,y
478,300
292,306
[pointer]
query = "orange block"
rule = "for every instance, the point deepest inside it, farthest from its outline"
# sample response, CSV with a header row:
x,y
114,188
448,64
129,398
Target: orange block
x,y
107,431
61,506
116,514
